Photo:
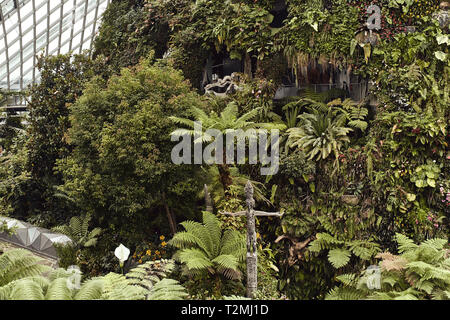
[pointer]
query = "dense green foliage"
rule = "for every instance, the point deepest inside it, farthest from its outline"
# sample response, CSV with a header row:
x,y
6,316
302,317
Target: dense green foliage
x,y
419,272
31,190
120,169
26,282
357,179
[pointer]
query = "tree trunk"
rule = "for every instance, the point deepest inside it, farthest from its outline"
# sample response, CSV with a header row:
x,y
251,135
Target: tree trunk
x,y
225,176
208,200
318,176
170,215
248,66
224,173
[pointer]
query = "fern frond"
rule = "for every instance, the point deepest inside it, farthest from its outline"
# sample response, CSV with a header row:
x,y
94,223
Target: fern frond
x,y
214,232
345,293
59,290
19,263
339,257
226,261
404,243
194,259
167,289
347,279
234,297
90,290
26,289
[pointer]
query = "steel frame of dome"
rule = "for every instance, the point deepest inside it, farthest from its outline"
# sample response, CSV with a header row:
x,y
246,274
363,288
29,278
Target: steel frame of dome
x,y
38,240
29,27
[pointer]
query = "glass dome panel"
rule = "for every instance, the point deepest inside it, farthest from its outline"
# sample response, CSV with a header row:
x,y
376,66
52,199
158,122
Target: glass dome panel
x,y
31,27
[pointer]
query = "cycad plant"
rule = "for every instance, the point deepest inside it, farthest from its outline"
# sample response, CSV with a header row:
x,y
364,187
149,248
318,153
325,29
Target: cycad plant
x,y
207,250
319,134
228,120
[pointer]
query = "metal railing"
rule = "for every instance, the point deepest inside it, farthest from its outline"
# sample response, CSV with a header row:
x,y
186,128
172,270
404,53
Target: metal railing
x,y
357,91
14,103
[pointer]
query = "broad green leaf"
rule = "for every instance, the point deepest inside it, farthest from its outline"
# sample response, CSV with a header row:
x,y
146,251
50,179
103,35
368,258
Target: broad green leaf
x,y
353,44
420,183
443,38
339,257
440,55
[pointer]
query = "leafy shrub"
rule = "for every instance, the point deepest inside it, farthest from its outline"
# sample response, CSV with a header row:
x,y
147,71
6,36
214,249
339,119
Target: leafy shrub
x,y
120,169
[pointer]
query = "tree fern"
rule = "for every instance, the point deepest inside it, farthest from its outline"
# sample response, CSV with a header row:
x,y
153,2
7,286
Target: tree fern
x,y
420,272
339,257
109,287
227,121
78,231
205,247
19,263
167,289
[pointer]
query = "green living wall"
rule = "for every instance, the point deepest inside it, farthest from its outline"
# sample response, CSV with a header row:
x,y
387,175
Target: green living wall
x,y
356,179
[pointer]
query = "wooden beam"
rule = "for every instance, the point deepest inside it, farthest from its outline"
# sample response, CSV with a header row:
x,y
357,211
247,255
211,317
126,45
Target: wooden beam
x,y
257,213
234,214
268,214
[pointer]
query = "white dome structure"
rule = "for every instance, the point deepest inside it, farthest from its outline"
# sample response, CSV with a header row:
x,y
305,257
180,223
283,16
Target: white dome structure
x,y
36,239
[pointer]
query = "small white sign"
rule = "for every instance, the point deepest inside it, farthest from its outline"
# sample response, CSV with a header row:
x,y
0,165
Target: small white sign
x,y
373,277
74,280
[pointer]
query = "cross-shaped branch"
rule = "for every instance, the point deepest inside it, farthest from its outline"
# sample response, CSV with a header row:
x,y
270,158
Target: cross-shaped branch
x,y
252,254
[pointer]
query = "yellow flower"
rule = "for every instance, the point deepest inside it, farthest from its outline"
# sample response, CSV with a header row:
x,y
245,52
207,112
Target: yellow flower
x,y
140,260
149,252
164,243
161,238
